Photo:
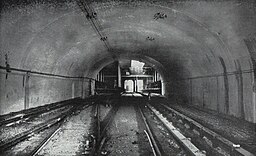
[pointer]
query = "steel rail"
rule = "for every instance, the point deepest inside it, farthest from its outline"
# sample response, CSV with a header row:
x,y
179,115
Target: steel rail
x,y
99,129
151,139
27,134
102,138
151,143
95,131
98,122
112,112
51,135
214,137
44,142
32,114
36,129
27,111
182,140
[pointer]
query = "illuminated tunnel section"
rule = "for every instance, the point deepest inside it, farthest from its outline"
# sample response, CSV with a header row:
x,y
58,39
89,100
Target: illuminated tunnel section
x,y
135,76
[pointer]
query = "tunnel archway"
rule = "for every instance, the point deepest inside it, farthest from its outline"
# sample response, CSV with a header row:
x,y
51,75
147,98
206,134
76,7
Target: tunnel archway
x,y
206,59
98,66
144,75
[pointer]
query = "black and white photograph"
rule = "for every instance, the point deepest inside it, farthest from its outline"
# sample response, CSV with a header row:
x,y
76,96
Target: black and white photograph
x,y
127,77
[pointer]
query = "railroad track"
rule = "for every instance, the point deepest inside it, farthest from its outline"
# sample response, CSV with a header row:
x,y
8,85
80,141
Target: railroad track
x,y
98,138
26,124
17,117
54,132
152,141
102,138
101,127
54,123
185,143
201,135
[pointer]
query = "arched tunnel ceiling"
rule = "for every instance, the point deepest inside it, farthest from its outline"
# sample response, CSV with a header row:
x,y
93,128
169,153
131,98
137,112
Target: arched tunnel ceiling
x,y
57,37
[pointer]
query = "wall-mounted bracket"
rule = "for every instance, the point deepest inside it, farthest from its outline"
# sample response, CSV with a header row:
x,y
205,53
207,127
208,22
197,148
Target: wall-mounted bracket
x,y
160,15
26,98
104,38
92,15
150,38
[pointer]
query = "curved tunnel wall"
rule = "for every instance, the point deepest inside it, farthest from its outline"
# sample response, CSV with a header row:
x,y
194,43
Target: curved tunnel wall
x,y
206,48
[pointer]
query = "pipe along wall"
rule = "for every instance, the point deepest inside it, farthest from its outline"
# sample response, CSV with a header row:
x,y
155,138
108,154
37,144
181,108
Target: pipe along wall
x,y
21,90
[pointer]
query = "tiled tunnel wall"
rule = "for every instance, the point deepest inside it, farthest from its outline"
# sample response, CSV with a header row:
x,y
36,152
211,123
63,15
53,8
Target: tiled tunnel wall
x,y
229,93
41,90
211,93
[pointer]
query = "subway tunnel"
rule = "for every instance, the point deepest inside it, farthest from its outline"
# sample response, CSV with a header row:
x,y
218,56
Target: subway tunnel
x,y
200,56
